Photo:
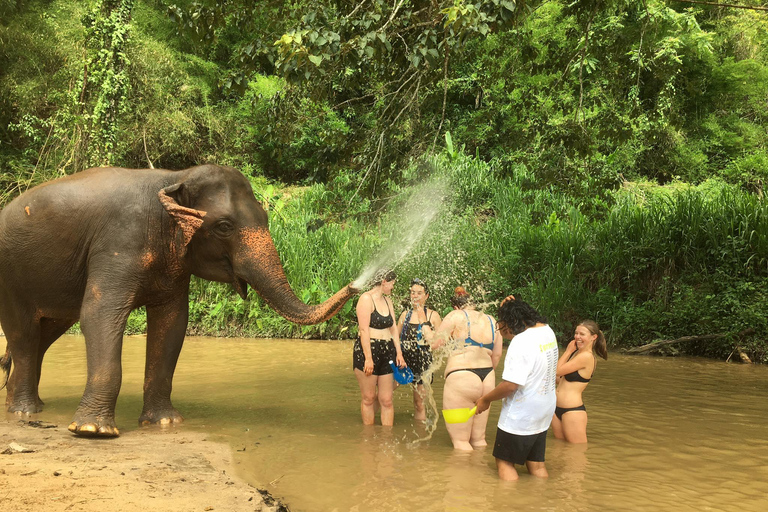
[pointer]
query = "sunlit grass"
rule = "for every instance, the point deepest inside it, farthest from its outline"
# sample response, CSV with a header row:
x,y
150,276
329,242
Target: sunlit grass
x,y
666,265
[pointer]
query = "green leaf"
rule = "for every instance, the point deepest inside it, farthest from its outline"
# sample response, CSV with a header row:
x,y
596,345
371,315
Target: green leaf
x,y
449,143
315,59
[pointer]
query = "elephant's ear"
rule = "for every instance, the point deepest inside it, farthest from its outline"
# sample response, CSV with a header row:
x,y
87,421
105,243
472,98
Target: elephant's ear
x,y
188,219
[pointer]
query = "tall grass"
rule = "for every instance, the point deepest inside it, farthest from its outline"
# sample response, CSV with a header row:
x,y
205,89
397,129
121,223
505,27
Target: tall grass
x,y
676,262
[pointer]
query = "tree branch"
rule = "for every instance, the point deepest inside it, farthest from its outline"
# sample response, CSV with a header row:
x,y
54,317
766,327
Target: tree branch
x,y
144,137
581,65
445,90
707,337
354,11
392,16
715,4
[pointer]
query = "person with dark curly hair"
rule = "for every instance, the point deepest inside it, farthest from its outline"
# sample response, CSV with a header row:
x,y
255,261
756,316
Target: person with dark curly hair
x,y
378,343
527,389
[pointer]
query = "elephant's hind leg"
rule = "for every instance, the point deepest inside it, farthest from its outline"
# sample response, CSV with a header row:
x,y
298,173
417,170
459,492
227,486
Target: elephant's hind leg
x,y
166,327
23,341
51,329
5,366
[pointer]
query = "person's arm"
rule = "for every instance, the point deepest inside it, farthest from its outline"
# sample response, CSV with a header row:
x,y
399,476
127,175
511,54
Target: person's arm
x,y
429,332
435,320
443,332
399,361
503,390
498,345
567,353
400,321
580,362
364,311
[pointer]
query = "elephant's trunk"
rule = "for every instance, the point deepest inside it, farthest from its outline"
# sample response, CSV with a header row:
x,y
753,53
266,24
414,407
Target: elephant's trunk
x,y
260,266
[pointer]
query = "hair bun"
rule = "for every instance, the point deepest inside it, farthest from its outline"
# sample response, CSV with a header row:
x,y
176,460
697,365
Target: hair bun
x,y
459,291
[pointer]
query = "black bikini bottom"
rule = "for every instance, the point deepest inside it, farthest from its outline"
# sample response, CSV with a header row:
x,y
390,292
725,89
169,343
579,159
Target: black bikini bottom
x,y
559,411
480,372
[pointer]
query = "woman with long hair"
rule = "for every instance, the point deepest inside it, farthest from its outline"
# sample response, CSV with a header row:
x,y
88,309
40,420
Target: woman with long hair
x,y
378,343
575,369
469,370
416,327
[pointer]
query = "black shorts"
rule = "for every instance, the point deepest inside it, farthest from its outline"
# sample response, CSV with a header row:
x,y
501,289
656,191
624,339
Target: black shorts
x,y
417,357
382,351
520,449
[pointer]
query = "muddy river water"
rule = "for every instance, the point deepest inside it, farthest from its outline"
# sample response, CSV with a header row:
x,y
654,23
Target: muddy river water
x,y
665,434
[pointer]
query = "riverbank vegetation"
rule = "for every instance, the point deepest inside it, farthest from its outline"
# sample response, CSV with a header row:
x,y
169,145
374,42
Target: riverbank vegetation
x,y
602,158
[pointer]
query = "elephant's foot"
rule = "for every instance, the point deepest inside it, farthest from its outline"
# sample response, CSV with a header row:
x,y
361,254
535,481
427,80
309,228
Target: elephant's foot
x,y
165,416
94,426
24,407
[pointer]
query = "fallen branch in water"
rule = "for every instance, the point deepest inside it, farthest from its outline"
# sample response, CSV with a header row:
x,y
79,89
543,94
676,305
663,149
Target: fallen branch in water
x,y
707,337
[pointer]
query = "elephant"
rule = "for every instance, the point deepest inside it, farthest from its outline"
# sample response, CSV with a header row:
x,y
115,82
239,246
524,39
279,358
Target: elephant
x,y
97,244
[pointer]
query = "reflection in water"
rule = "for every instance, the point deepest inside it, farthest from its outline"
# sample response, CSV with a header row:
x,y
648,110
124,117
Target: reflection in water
x,y
665,434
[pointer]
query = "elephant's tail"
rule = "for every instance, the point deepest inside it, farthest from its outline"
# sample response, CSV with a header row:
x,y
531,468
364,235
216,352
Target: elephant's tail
x,y
5,364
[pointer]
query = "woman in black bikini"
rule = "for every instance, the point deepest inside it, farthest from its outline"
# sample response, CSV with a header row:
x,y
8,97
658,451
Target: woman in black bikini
x,y
416,327
378,343
469,371
574,371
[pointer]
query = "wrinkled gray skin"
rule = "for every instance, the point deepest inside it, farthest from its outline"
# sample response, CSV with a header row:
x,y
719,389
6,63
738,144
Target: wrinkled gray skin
x,y
98,244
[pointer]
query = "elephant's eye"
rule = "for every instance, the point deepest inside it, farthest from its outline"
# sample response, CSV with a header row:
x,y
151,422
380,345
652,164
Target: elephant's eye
x,y
224,228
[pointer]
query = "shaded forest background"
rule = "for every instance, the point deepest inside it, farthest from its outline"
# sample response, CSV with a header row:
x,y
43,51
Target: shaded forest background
x,y
603,159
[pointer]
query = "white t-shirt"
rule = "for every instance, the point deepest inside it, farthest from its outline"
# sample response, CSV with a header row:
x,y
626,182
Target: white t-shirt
x,y
531,363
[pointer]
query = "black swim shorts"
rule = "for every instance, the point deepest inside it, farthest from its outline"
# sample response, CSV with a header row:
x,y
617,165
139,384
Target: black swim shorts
x,y
417,357
519,449
383,351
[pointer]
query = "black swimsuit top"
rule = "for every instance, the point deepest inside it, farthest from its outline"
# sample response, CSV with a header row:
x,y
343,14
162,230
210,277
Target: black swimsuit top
x,y
412,332
379,321
575,376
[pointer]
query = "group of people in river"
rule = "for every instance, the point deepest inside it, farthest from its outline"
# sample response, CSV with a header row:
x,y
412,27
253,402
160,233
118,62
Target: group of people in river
x,y
539,388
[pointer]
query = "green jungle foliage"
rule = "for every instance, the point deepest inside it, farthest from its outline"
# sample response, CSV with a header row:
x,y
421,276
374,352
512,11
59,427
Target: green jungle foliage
x,y
601,158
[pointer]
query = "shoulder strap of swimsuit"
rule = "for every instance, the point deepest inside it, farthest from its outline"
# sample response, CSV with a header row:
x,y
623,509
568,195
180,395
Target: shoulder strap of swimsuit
x,y
466,315
493,331
405,323
429,318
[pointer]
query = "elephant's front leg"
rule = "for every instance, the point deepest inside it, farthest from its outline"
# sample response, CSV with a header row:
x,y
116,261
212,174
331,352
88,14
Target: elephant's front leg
x,y
166,327
102,320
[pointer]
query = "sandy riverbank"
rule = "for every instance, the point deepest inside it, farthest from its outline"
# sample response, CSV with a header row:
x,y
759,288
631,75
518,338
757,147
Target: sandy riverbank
x,y
144,469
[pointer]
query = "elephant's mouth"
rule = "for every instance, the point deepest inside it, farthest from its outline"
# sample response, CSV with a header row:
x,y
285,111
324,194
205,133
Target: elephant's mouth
x,y
241,287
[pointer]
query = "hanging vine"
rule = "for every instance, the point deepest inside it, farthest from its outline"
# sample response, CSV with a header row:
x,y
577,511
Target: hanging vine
x,y
105,81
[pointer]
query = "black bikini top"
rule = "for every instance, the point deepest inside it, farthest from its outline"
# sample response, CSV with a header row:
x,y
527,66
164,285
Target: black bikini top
x,y
575,376
379,321
412,332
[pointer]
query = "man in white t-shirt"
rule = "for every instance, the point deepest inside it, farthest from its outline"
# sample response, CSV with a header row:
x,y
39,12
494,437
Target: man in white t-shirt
x,y
527,389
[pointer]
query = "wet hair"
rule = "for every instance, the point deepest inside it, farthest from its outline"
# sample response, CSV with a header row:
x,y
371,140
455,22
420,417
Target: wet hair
x,y
417,281
383,274
460,297
600,347
518,315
